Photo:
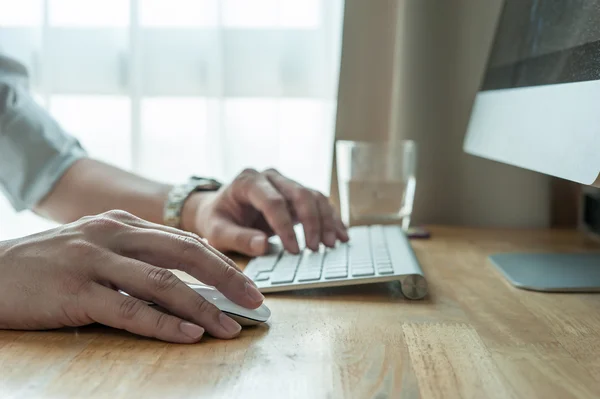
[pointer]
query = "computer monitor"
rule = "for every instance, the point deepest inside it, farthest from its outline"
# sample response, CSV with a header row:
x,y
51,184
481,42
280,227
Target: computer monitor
x,y
539,108
539,104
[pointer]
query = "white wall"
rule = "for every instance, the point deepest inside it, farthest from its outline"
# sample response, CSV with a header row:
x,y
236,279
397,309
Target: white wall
x,y
441,49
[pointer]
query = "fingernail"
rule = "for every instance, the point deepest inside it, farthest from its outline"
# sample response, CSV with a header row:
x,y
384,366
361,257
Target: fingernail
x,y
229,324
257,244
329,239
344,235
254,293
191,330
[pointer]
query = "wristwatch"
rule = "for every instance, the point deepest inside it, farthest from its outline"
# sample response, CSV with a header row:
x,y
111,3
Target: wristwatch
x,y
180,193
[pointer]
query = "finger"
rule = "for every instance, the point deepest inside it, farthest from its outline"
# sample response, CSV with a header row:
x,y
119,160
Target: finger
x,y
244,240
340,228
260,193
329,233
305,206
174,251
116,310
160,286
143,224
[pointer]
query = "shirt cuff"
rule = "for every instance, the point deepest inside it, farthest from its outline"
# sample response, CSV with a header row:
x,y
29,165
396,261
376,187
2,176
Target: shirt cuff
x,y
48,177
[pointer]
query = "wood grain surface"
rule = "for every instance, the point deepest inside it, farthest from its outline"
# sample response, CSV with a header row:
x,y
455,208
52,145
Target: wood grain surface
x,y
475,336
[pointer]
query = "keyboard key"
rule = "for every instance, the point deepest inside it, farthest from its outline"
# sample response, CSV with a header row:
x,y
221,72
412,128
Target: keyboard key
x,y
311,260
363,272
384,264
361,263
336,274
282,278
262,276
335,271
286,269
385,271
309,277
363,268
267,263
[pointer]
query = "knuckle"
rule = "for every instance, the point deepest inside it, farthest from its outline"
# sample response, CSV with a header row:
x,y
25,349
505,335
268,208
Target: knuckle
x,y
311,227
287,225
162,279
248,171
119,214
102,224
303,195
328,224
271,171
203,306
246,175
321,197
228,273
276,201
80,248
308,216
329,218
162,321
130,308
87,218
187,244
244,181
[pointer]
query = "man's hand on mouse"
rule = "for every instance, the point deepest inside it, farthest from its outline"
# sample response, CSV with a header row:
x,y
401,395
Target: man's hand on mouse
x,y
241,216
72,275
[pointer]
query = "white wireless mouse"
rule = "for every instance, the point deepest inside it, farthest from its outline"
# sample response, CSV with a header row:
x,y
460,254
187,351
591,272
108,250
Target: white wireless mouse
x,y
244,316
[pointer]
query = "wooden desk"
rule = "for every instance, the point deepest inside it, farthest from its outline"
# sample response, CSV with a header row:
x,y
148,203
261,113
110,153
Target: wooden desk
x,y
475,337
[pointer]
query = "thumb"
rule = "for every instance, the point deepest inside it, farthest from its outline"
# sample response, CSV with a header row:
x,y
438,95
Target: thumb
x,y
240,239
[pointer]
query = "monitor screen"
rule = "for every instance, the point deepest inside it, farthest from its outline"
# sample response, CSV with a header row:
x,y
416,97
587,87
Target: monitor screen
x,y
543,42
537,107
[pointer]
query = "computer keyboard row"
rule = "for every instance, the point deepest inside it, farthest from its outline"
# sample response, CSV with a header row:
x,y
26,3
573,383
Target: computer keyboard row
x,y
373,251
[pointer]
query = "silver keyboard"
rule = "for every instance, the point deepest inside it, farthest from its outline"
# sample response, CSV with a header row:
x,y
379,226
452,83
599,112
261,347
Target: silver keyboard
x,y
373,254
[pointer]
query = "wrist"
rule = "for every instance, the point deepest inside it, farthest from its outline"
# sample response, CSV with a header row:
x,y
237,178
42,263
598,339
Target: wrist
x,y
192,209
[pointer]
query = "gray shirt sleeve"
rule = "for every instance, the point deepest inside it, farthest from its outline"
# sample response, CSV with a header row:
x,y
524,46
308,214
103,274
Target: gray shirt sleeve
x,y
34,150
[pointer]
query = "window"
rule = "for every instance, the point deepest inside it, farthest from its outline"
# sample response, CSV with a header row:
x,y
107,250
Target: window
x,y
173,88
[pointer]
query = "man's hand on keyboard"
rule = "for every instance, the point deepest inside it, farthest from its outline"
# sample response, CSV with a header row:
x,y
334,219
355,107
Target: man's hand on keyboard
x,y
241,216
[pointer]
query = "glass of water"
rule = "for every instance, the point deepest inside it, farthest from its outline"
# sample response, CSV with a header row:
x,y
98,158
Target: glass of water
x,y
376,181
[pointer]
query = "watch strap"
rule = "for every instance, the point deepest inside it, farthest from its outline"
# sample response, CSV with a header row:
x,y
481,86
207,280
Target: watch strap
x,y
180,193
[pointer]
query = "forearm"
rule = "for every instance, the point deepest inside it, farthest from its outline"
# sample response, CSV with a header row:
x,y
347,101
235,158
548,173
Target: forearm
x,y
90,187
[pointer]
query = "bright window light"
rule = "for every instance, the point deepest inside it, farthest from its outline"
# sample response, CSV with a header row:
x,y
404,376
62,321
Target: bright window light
x,y
300,14
179,13
271,13
101,123
15,13
89,13
250,14
297,117
174,129
250,123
